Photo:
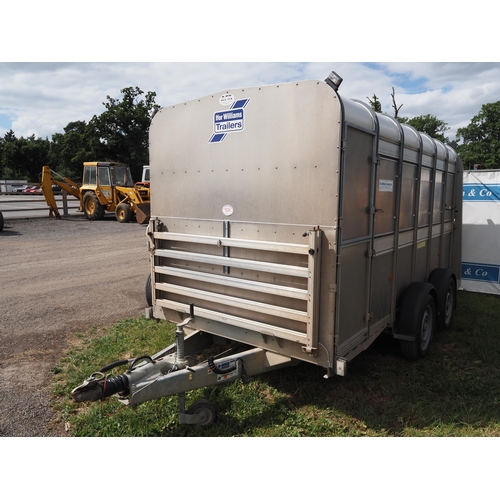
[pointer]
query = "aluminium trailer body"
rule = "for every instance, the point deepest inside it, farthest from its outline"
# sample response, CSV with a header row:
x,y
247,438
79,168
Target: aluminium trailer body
x,y
300,224
294,220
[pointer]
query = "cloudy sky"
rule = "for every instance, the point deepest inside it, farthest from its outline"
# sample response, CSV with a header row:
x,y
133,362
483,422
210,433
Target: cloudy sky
x,y
42,98
60,73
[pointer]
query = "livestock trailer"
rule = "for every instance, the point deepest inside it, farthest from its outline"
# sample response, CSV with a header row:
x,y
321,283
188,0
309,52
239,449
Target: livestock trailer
x,y
297,223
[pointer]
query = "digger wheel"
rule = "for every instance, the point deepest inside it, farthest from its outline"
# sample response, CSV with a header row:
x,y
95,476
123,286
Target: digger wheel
x,y
123,212
93,209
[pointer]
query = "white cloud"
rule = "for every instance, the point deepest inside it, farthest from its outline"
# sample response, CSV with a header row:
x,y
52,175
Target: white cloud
x,y
42,98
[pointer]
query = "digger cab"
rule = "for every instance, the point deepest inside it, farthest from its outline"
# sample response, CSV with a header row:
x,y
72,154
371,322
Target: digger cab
x,y
106,174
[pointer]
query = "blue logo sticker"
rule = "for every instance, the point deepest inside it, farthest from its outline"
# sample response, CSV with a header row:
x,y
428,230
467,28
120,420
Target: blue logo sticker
x,y
481,192
480,272
229,120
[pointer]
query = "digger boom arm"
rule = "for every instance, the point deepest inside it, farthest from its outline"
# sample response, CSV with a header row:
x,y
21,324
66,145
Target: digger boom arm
x,y
64,183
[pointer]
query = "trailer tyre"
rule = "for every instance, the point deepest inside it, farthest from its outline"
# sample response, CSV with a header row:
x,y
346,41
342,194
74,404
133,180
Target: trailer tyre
x,y
444,282
206,411
1,221
417,318
93,209
149,291
123,212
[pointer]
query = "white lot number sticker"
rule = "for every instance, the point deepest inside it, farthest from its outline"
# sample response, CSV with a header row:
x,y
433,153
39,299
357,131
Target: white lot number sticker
x,y
227,210
226,99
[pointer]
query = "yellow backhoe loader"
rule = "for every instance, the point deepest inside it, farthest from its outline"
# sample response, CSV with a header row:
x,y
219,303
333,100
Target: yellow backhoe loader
x,y
106,187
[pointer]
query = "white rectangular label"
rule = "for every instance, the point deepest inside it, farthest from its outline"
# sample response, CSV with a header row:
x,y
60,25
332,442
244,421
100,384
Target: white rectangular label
x,y
385,185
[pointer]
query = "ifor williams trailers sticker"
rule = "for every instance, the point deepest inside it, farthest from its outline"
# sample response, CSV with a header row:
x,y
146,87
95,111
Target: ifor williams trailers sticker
x,y
229,120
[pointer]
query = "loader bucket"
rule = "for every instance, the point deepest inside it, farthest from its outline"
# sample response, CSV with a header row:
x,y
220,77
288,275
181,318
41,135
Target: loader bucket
x,y
142,213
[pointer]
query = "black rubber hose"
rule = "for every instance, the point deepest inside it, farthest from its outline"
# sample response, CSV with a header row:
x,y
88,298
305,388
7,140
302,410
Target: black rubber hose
x,y
122,362
114,365
113,385
136,360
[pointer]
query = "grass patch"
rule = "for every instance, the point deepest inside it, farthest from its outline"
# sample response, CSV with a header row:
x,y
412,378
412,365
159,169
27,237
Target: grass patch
x,y
455,391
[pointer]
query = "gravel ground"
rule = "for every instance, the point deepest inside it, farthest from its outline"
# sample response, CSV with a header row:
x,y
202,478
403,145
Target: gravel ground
x,y
58,277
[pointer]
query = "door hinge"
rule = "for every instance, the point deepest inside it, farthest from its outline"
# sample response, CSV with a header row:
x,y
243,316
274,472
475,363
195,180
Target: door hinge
x,y
309,350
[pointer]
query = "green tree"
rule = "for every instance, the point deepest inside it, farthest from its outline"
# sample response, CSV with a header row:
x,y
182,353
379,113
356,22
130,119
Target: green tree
x,y
118,134
70,149
375,104
429,124
23,157
8,163
2,142
121,132
481,138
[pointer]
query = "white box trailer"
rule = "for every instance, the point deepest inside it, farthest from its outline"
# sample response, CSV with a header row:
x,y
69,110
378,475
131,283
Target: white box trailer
x,y
297,223
481,236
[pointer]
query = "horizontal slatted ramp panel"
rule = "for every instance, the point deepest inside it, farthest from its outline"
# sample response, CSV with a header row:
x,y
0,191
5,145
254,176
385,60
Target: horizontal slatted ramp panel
x,y
270,246
236,321
238,315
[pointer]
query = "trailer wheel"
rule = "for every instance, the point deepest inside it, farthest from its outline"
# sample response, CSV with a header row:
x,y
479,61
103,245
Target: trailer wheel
x,y
1,221
417,318
149,291
93,209
206,411
446,289
123,212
